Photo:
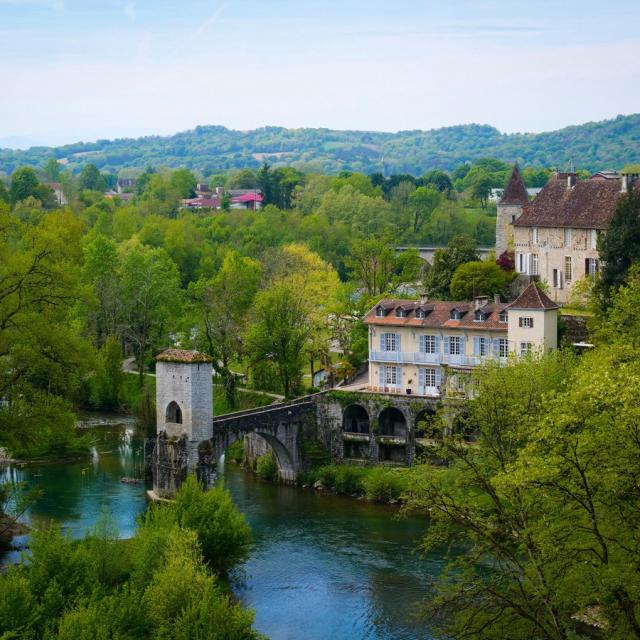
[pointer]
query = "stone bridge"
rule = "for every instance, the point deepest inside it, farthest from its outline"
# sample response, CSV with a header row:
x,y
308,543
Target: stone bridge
x,y
355,427
280,425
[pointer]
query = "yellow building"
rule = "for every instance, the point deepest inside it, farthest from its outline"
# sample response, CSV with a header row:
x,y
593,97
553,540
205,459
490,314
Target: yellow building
x,y
412,343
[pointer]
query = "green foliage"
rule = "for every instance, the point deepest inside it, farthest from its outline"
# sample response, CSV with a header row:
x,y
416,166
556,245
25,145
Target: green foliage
x,y
235,451
593,145
222,531
106,383
459,251
24,184
481,278
384,485
91,179
620,246
267,467
156,585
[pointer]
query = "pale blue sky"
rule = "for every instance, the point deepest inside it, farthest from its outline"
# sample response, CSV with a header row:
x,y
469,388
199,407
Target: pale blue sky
x,y
82,69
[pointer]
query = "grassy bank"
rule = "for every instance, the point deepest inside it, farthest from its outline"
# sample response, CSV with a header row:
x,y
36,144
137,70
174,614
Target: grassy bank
x,y
376,484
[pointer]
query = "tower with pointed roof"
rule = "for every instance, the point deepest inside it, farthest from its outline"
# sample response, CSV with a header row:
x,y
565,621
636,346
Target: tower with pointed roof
x,y
510,208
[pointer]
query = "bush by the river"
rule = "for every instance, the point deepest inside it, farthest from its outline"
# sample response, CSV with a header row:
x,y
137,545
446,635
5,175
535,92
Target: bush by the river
x,y
267,467
377,484
162,583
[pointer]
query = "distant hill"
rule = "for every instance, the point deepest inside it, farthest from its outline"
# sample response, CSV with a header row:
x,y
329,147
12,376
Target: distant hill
x,y
592,146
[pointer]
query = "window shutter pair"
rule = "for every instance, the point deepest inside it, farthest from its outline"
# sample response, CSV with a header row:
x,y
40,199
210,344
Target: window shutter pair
x,y
519,322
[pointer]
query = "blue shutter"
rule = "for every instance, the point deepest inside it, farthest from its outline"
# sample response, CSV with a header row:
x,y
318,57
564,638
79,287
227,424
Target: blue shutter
x,y
423,344
398,342
496,347
382,341
476,346
438,377
446,345
381,377
463,342
438,345
420,379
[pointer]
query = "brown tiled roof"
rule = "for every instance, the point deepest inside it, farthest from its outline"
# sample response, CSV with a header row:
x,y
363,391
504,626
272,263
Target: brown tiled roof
x,y
182,355
439,315
515,192
589,204
533,298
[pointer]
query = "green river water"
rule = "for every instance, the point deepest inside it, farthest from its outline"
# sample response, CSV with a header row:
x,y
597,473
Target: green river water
x,y
322,568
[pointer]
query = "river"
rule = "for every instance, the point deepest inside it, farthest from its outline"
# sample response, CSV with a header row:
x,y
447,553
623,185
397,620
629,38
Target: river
x,y
323,567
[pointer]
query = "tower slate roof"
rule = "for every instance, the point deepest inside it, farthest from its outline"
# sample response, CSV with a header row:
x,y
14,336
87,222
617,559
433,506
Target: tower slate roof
x,y
515,192
533,298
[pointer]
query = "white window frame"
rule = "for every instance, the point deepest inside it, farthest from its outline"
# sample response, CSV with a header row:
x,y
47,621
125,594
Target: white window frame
x,y
391,376
429,378
483,346
593,267
527,322
392,342
503,317
568,269
430,344
567,237
503,347
525,348
594,238
535,236
421,313
380,312
557,278
533,265
457,349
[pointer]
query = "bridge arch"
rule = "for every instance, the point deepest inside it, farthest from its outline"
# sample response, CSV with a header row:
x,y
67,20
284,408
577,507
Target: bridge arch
x,y
391,422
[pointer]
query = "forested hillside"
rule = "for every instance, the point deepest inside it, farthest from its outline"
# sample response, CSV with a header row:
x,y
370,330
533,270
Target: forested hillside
x,y
595,145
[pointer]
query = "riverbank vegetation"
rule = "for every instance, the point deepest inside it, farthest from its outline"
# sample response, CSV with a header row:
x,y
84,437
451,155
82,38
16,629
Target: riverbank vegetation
x,y
165,582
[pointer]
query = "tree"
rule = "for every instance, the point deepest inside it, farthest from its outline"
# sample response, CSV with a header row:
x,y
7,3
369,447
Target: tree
x,y
373,263
4,193
423,201
481,278
90,178
243,179
150,296
479,183
278,335
619,247
220,305
438,180
24,183
461,249
51,170
184,182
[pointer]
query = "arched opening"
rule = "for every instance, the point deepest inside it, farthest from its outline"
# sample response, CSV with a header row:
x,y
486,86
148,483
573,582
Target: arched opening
x,y
392,422
428,426
355,419
174,413
392,427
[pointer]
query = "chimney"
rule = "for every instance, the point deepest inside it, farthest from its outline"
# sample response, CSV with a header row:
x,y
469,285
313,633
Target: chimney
x,y
496,298
424,298
480,301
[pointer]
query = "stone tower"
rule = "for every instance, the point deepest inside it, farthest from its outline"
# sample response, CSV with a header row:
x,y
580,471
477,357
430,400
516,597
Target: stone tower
x,y
184,414
510,208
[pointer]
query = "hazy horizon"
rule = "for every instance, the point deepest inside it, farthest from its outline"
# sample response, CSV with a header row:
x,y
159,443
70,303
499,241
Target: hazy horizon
x,y
129,68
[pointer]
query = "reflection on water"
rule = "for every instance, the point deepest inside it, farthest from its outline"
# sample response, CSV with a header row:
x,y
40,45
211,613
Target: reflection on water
x,y
321,568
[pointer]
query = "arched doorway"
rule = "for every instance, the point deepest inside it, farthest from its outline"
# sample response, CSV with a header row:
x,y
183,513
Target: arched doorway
x,y
392,427
356,428
174,413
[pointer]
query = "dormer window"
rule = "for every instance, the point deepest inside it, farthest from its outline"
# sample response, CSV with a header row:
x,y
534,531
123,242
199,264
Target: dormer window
x,y
379,312
480,316
401,313
455,314
503,317
421,313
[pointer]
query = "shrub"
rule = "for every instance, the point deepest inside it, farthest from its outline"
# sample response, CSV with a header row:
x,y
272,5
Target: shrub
x,y
349,480
222,530
235,451
267,467
383,485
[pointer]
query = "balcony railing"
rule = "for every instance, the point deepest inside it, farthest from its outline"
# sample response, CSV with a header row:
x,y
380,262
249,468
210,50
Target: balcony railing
x,y
404,357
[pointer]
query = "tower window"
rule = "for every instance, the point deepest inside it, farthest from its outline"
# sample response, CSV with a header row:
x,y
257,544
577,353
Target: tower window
x,y
174,413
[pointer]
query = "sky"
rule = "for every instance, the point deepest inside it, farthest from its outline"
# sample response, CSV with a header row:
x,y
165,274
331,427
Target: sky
x,y
75,70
